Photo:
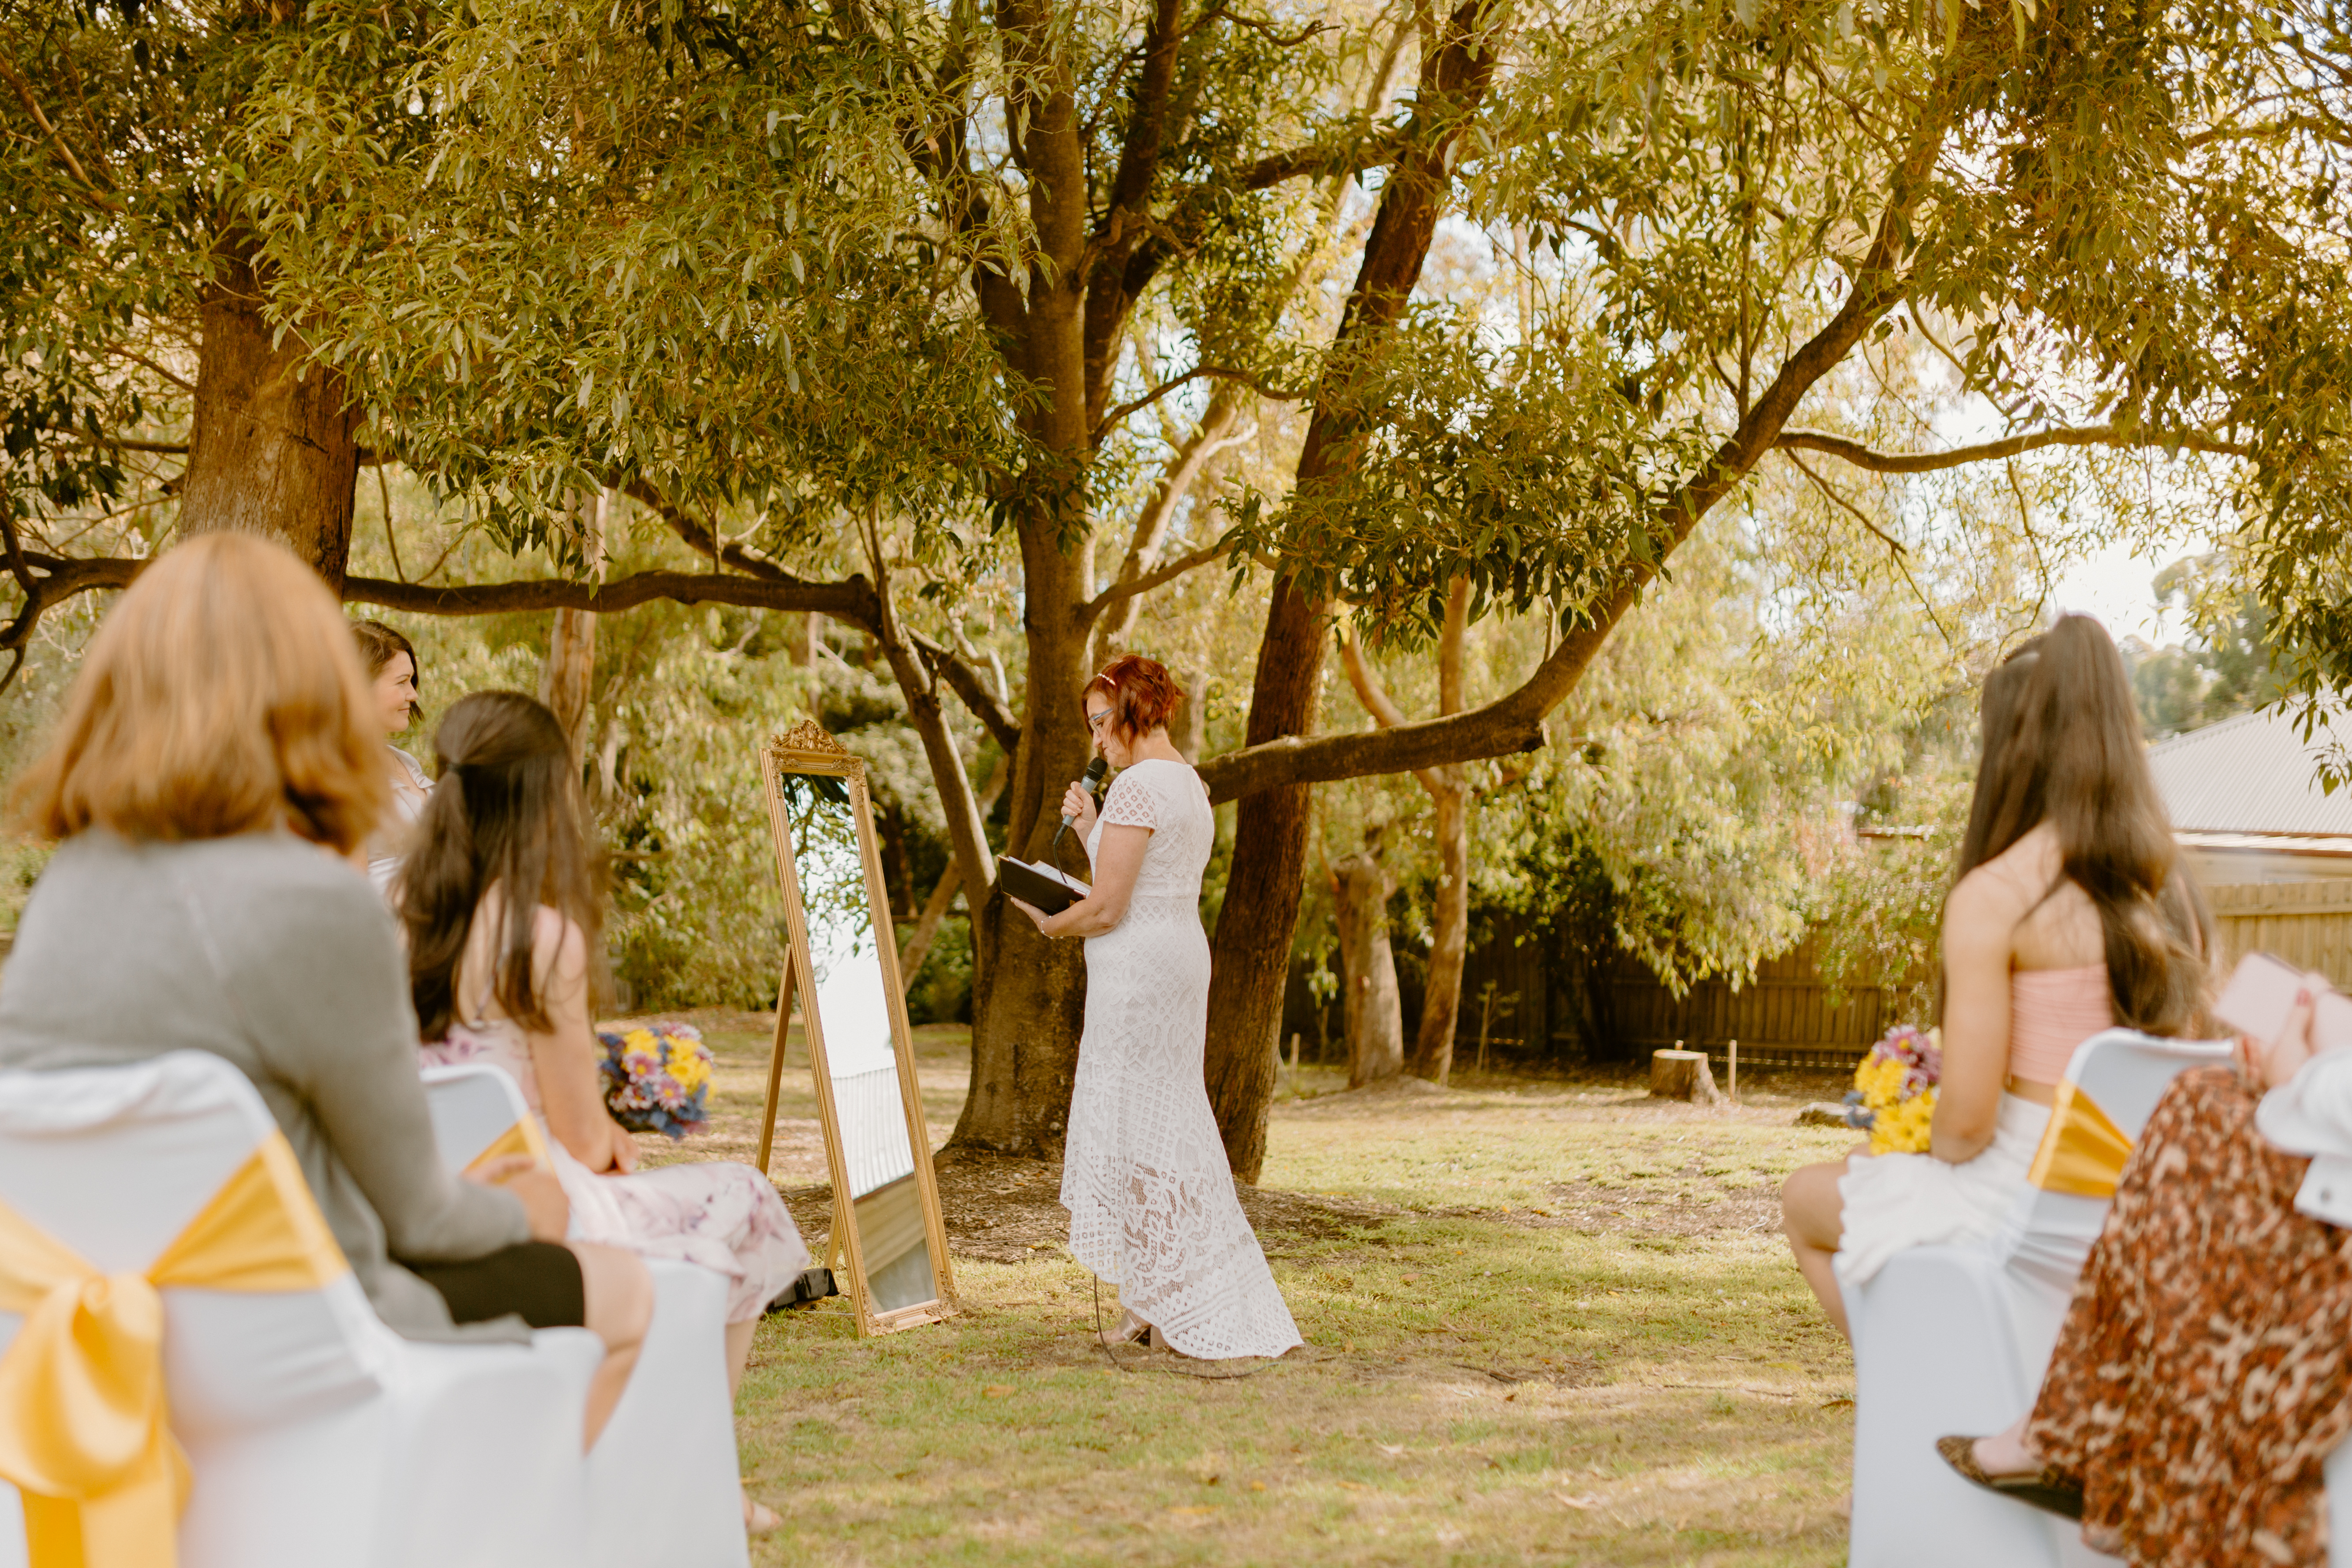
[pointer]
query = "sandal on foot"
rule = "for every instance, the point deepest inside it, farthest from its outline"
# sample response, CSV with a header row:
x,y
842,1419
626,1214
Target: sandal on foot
x,y
2045,1488
758,1519
1132,1329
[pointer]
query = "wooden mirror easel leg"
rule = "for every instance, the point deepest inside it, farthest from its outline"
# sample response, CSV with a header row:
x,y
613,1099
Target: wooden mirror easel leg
x,y
776,1066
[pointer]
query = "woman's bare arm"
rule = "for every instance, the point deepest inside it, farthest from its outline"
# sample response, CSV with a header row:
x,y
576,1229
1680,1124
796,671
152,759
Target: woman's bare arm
x,y
1115,870
1979,919
571,1086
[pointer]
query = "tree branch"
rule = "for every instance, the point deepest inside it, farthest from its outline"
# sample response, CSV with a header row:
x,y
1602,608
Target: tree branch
x,y
966,683
1349,156
1878,462
1513,722
1154,578
1221,373
65,151
852,601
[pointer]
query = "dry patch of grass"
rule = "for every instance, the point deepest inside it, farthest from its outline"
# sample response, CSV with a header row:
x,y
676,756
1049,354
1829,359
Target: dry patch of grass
x,y
1543,1326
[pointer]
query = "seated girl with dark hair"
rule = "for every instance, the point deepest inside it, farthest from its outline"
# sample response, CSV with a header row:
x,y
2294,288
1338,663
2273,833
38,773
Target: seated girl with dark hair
x,y
218,757
504,979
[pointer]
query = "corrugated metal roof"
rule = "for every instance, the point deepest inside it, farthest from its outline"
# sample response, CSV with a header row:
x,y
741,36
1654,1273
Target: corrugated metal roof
x,y
2252,773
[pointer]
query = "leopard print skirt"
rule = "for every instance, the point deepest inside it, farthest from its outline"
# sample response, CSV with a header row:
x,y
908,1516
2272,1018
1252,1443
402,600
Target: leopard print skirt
x,y
2205,1369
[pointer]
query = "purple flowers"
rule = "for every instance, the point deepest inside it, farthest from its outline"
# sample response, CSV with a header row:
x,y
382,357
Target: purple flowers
x,y
656,1078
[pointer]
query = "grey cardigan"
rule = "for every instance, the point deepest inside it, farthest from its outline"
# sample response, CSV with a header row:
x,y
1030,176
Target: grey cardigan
x,y
269,951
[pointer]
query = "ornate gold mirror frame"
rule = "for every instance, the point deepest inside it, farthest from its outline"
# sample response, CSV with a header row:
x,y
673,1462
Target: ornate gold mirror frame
x,y
874,1231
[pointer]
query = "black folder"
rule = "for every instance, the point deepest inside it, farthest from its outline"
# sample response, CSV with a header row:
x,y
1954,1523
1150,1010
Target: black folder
x,y
1031,886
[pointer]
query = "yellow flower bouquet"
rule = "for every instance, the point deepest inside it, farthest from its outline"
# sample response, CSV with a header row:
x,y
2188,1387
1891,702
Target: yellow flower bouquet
x,y
657,1078
1894,1090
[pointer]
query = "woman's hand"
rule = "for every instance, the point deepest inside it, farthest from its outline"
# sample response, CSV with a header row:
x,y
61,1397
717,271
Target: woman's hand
x,y
2275,1061
544,1206
1036,914
624,1149
1079,805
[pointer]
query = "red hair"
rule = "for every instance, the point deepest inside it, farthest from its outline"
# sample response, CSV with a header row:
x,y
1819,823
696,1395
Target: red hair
x,y
1142,694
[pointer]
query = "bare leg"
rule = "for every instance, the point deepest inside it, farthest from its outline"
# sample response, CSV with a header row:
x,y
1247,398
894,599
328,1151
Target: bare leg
x,y
620,1296
738,1351
1813,1213
758,1518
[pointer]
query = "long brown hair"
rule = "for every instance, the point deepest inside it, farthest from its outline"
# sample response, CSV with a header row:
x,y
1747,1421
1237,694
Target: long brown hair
x,y
506,813
222,696
2062,745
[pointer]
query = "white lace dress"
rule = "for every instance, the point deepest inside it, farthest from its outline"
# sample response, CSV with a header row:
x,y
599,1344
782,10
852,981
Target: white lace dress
x,y
1144,1174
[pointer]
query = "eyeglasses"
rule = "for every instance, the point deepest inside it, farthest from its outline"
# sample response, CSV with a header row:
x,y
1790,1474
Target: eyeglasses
x,y
1096,720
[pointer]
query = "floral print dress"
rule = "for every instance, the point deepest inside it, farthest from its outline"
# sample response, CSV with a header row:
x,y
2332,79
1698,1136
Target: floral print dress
x,y
723,1215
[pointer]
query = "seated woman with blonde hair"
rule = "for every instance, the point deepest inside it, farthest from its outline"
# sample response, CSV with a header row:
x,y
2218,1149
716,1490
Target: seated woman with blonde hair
x,y
218,755
503,978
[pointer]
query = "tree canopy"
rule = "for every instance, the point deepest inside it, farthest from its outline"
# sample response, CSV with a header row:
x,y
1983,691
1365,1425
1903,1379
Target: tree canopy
x,y
982,330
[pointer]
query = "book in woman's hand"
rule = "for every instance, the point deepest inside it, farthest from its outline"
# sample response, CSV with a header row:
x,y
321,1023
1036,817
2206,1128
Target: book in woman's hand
x,y
1044,887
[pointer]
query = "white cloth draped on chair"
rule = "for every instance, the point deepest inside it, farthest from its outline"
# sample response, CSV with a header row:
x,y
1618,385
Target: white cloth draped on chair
x,y
672,1438
311,1434
1955,1339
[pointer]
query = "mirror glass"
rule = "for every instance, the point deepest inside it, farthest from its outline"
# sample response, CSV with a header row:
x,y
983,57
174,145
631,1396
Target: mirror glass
x,y
852,1009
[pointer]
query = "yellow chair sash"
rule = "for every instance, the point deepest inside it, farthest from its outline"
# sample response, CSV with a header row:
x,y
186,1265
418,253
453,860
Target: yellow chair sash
x,y
84,1433
2082,1152
522,1138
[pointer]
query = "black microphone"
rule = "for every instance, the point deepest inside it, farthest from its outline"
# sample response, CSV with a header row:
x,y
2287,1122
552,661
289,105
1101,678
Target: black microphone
x,y
1092,780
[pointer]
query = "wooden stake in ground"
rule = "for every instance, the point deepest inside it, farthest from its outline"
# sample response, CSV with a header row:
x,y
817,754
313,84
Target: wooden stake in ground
x,y
1733,1088
1679,1074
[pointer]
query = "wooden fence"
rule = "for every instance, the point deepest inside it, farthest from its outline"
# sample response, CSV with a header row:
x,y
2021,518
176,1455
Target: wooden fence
x,y
2309,924
1784,1018
1613,1009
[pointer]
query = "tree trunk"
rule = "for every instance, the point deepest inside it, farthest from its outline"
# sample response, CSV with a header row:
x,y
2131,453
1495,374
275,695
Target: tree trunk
x,y
1440,1005
1449,942
569,675
1251,960
1188,733
935,909
272,449
1028,999
1253,929
1374,1010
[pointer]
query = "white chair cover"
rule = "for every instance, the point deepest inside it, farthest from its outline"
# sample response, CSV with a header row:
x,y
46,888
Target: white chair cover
x,y
663,1484
1956,1339
315,1434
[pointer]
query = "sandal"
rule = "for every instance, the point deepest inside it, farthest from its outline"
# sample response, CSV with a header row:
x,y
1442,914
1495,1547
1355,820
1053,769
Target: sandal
x,y
1132,1329
2045,1488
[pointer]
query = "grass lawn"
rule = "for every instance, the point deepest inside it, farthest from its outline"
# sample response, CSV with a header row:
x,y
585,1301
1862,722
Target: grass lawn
x,y
1548,1321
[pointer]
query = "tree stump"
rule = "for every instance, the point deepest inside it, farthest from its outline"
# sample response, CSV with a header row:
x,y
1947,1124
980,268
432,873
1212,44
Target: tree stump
x,y
1682,1075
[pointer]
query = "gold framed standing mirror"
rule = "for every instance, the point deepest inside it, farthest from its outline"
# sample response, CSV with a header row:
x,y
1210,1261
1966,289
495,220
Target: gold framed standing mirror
x,y
843,967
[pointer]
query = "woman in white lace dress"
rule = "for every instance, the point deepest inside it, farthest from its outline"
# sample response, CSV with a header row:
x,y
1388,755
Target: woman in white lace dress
x,y
1144,1174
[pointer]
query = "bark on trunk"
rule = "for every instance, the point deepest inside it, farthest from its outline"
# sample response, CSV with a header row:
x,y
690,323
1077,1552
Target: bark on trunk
x,y
272,449
1251,959
1440,1004
1028,1000
568,676
1374,1010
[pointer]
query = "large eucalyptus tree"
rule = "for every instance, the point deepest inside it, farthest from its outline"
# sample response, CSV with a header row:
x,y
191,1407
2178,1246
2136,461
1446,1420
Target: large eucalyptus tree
x,y
850,293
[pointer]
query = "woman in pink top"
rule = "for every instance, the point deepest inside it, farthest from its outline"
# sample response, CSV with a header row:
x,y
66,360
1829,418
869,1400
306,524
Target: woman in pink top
x,y
2070,914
